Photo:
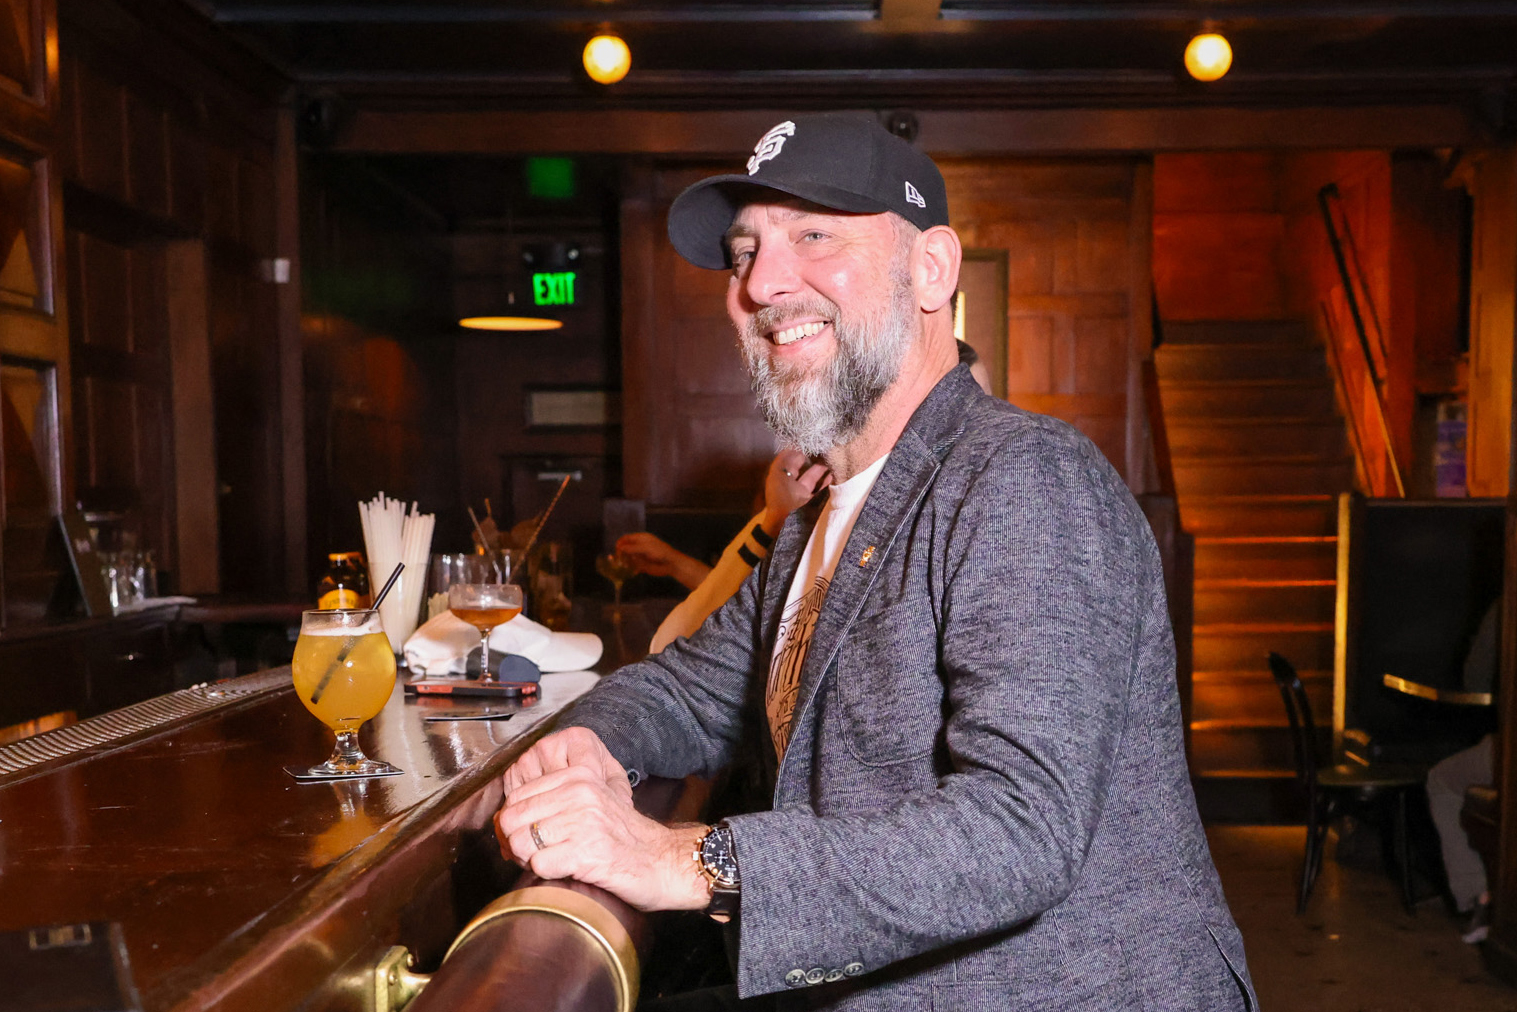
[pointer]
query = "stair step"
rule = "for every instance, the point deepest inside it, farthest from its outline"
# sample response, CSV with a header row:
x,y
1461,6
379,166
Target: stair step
x,y
1247,399
1247,644
1232,437
1255,748
1188,363
1246,475
1235,601
1285,515
1240,331
1267,558
1253,695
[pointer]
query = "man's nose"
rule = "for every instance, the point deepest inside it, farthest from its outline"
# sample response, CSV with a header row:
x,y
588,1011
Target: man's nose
x,y
771,275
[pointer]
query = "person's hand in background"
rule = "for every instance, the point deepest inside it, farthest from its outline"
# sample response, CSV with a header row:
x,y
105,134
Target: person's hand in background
x,y
652,555
791,482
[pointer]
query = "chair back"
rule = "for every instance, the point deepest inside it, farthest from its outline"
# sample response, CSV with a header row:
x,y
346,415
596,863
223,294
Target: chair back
x,y
1298,710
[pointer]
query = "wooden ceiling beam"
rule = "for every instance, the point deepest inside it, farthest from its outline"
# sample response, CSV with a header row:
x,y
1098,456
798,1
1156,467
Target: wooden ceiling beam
x,y
356,12
1030,132
909,13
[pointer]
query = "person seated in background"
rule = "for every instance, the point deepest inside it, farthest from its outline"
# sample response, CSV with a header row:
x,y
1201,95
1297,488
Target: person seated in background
x,y
790,483
1447,781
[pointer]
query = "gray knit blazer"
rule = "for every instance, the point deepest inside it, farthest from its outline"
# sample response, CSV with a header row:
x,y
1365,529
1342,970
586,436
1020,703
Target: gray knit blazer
x,y
984,804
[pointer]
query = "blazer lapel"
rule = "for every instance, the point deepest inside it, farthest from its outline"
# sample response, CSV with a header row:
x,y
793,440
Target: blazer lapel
x,y
891,502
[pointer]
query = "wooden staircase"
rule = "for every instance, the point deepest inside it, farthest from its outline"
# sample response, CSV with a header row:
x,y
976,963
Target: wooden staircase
x,y
1260,454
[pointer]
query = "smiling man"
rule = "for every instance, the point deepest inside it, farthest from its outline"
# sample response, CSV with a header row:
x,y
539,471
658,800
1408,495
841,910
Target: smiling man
x,y
956,666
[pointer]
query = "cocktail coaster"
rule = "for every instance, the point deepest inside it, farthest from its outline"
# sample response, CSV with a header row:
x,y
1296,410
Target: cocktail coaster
x,y
303,774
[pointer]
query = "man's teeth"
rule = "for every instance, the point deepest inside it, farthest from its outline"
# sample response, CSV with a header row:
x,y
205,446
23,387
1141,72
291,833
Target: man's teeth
x,y
796,333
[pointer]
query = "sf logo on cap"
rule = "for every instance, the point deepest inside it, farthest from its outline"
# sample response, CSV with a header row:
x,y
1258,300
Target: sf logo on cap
x,y
769,145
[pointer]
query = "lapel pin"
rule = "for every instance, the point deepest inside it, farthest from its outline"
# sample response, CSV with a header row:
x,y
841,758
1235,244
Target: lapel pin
x,y
868,554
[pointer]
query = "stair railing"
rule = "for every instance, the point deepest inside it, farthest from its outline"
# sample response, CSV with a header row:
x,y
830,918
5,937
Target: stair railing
x,y
1361,309
1158,433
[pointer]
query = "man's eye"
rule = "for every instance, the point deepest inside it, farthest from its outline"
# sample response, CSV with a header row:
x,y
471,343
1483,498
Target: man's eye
x,y
813,236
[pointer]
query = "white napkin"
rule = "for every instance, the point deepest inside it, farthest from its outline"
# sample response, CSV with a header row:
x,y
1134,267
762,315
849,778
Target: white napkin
x,y
442,645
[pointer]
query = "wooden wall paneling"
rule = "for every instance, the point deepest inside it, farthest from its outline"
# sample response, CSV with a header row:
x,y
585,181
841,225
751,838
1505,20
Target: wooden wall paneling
x,y
1068,229
120,356
640,237
197,533
944,132
245,378
1493,318
285,244
692,434
26,247
28,67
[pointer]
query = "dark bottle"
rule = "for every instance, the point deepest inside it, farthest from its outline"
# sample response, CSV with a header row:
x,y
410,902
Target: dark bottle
x,y
345,584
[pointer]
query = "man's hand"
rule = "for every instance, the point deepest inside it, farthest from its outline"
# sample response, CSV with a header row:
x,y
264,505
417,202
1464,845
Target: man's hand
x,y
590,832
571,747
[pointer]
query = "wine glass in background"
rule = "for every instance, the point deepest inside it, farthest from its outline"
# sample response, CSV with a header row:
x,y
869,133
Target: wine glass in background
x,y
344,672
618,569
481,597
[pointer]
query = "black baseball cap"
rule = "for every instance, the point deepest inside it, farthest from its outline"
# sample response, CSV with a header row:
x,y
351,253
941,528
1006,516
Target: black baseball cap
x,y
842,161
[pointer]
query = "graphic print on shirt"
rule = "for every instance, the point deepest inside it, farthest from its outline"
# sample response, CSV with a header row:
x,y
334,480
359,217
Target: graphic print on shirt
x,y
796,626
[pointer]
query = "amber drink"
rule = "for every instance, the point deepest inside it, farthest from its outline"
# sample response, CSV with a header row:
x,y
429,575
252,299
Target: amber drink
x,y
344,672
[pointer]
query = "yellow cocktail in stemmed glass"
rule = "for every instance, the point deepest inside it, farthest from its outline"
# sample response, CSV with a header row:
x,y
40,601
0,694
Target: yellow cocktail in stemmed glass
x,y
344,672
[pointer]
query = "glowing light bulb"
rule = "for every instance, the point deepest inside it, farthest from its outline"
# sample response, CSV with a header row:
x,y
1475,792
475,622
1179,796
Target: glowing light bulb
x,y
607,59
1208,57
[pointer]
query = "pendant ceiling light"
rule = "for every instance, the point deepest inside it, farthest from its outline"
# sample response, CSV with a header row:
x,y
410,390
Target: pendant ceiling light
x,y
506,275
607,59
509,323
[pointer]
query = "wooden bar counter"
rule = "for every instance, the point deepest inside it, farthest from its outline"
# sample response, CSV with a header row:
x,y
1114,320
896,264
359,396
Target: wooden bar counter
x,y
237,888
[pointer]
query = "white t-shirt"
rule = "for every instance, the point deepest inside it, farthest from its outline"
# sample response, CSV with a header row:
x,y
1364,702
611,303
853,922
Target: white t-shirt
x,y
807,592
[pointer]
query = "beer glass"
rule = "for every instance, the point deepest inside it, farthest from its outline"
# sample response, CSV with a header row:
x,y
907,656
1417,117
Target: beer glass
x,y
344,671
481,597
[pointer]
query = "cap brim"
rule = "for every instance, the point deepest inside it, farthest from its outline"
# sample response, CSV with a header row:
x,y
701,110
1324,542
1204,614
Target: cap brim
x,y
700,217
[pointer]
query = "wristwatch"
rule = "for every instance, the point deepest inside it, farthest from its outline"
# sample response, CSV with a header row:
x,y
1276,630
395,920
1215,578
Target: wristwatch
x,y
716,857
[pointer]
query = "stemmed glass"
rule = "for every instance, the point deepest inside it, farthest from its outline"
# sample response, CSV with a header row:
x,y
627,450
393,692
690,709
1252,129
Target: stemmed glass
x,y
344,672
481,597
616,567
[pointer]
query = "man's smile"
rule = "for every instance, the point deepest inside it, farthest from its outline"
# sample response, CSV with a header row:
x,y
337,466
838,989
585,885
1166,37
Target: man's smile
x,y
797,332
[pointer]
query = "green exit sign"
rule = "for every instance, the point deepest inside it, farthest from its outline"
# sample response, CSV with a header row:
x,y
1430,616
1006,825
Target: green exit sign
x,y
556,289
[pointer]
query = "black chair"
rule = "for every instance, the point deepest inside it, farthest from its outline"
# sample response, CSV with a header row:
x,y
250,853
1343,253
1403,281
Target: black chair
x,y
1331,790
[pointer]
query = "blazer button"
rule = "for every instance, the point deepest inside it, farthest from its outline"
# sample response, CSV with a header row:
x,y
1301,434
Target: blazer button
x,y
816,975
834,974
853,969
795,978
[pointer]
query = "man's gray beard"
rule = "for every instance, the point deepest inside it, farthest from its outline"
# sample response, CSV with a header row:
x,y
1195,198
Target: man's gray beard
x,y
815,411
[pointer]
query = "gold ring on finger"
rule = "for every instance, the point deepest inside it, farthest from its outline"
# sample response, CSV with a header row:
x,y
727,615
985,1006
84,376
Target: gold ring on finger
x,y
537,837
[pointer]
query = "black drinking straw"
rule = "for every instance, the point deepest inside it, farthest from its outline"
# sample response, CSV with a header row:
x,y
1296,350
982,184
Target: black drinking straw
x,y
352,641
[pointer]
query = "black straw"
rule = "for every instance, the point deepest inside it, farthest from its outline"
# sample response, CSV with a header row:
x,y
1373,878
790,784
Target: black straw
x,y
388,584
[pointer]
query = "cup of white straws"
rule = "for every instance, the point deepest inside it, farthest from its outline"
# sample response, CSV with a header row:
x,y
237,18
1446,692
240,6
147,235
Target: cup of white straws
x,y
393,534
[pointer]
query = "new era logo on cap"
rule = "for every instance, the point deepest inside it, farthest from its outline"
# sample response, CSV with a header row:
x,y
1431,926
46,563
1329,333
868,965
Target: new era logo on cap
x,y
846,162
770,144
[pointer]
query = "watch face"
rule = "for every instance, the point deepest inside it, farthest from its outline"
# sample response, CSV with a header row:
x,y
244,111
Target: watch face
x,y
718,858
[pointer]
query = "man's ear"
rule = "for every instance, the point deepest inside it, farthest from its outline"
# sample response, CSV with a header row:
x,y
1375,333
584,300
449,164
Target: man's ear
x,y
939,253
